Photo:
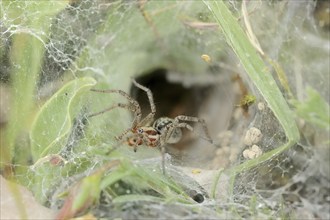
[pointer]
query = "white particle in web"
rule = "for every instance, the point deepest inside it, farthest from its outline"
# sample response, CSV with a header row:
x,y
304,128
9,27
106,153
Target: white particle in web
x,y
252,152
252,136
261,106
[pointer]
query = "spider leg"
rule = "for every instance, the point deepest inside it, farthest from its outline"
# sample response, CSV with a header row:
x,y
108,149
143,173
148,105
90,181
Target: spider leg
x,y
135,105
179,118
150,117
118,105
115,147
120,137
122,142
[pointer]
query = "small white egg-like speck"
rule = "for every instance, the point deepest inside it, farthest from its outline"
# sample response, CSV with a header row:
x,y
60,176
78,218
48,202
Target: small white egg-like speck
x,y
252,136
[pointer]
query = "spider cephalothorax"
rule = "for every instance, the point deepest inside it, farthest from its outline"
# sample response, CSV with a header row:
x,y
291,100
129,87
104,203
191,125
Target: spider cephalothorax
x,y
144,135
163,131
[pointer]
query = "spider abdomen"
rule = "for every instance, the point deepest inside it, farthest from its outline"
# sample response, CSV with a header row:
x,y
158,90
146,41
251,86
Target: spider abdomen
x,y
165,126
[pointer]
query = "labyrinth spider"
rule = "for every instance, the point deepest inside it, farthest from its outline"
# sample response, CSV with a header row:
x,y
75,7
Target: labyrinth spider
x,y
163,130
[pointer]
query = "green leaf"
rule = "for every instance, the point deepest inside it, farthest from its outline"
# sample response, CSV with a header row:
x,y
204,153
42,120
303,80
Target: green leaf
x,y
31,14
54,120
114,177
136,197
258,73
88,192
24,20
254,67
314,109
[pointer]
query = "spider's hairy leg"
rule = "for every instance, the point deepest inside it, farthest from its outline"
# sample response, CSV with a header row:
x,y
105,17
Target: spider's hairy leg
x,y
124,141
118,105
185,125
120,137
115,147
197,120
150,117
135,107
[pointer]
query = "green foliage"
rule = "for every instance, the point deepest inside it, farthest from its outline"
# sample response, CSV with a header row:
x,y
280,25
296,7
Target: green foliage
x,y
89,191
27,49
26,59
314,109
134,198
58,112
53,123
142,180
130,45
254,67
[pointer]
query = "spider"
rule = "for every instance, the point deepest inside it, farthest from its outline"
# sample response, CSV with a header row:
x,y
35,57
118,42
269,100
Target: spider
x,y
147,131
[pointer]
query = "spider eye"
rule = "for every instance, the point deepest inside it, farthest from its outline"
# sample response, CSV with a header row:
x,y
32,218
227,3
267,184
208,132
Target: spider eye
x,y
140,130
